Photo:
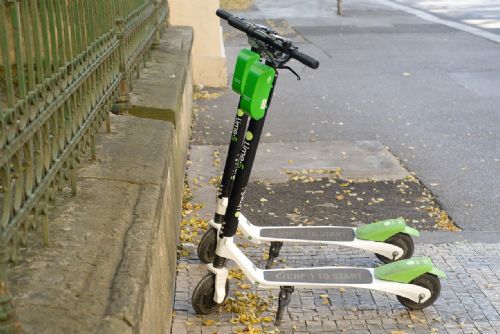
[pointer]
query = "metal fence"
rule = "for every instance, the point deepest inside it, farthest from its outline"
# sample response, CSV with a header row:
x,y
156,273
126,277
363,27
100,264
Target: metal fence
x,y
63,66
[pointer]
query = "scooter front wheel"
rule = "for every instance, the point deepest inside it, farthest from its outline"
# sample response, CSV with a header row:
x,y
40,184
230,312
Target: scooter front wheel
x,y
203,295
207,246
428,281
403,241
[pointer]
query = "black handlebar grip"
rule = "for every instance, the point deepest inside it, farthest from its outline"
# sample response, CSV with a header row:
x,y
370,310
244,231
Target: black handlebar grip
x,y
223,14
305,59
239,24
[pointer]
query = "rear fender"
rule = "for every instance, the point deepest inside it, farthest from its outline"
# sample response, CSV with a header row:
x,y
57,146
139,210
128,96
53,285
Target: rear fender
x,y
405,271
384,229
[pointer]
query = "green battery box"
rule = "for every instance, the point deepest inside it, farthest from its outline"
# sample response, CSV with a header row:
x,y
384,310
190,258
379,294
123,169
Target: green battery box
x,y
244,62
256,90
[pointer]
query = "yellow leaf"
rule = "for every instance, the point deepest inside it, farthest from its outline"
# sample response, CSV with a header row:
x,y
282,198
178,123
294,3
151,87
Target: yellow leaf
x,y
208,322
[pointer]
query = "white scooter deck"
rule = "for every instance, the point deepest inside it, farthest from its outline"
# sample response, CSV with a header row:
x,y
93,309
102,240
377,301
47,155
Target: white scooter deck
x,y
321,277
328,235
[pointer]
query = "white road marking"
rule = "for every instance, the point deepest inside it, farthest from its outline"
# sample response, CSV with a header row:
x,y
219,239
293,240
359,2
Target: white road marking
x,y
432,18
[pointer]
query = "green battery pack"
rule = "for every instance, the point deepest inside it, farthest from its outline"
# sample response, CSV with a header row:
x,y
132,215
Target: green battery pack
x,y
258,85
246,58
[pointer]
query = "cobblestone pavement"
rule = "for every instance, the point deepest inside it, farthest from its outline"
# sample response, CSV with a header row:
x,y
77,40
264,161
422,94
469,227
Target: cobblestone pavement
x,y
469,301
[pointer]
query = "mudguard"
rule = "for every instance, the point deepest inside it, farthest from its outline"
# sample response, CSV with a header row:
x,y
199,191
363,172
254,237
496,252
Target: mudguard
x,y
384,229
405,271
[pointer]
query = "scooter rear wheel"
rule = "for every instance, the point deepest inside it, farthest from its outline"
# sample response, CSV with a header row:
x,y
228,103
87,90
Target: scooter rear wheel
x,y
402,240
207,246
428,281
203,295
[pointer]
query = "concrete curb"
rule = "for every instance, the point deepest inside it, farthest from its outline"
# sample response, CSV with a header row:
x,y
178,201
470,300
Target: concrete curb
x,y
127,295
157,94
142,295
132,276
442,237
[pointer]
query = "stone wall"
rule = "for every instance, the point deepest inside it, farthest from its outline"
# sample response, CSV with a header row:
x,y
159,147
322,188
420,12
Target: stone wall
x,y
111,263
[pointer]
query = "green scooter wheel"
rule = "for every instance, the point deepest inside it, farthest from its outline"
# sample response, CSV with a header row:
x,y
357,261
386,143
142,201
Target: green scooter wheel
x,y
403,241
203,295
428,281
207,246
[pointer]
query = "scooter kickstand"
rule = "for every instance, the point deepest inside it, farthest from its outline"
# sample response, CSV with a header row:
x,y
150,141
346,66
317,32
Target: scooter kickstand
x,y
283,301
274,252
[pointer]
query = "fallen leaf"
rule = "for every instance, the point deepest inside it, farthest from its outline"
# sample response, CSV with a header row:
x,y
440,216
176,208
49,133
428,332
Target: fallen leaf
x,y
208,322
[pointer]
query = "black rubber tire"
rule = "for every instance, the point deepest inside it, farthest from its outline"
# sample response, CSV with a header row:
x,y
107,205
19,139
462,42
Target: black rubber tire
x,y
207,246
203,295
428,281
402,240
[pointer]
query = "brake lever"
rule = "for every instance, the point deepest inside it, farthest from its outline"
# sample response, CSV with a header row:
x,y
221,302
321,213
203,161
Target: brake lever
x,y
291,70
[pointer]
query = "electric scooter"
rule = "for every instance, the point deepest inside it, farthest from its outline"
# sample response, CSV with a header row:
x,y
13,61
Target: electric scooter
x,y
416,282
389,239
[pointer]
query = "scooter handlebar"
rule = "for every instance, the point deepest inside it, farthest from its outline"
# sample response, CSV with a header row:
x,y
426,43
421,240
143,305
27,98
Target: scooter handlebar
x,y
305,59
254,31
223,14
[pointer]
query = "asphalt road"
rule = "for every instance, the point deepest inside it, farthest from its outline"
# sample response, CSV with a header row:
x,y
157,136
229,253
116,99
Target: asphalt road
x,y
483,14
429,92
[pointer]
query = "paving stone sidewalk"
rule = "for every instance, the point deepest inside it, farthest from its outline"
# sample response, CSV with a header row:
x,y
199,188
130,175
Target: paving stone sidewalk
x,y
469,301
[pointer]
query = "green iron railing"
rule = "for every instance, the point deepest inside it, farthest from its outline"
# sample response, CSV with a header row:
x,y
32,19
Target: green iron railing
x,y
63,66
